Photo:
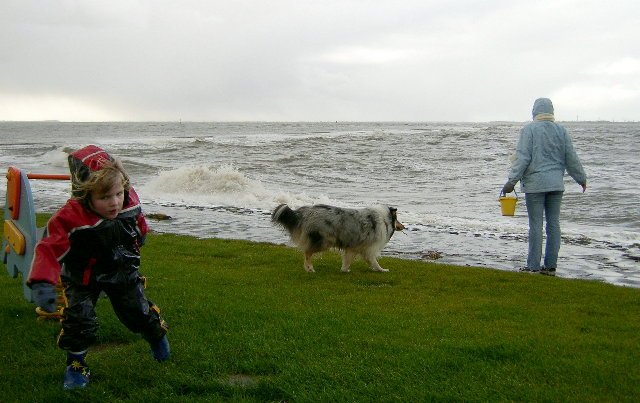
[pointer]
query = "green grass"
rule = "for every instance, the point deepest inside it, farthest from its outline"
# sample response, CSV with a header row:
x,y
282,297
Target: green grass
x,y
247,323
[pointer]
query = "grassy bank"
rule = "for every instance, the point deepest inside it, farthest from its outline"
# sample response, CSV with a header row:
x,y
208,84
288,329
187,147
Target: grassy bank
x,y
248,324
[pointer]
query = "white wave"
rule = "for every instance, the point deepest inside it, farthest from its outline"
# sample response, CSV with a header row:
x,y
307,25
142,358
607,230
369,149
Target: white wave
x,y
206,185
57,158
300,199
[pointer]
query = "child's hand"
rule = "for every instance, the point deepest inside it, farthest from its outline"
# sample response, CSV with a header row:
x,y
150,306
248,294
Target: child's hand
x,y
45,296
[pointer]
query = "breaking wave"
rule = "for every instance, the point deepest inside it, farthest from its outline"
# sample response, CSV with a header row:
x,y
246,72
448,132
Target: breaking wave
x,y
224,185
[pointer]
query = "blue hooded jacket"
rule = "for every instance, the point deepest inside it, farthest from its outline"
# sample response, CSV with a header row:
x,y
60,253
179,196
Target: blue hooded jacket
x,y
543,153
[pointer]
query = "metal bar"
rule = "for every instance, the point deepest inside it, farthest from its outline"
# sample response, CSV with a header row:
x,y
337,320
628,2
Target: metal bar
x,y
49,176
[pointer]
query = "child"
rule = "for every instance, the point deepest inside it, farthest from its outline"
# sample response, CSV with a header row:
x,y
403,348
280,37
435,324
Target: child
x,y
92,244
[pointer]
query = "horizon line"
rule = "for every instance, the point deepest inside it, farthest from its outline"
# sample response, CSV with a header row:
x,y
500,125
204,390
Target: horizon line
x,y
305,121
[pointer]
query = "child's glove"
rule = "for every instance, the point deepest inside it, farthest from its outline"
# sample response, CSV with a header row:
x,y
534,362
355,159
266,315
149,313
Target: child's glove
x,y
45,296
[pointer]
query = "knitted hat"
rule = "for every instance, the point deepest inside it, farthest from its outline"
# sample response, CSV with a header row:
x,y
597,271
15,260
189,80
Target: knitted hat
x,y
85,160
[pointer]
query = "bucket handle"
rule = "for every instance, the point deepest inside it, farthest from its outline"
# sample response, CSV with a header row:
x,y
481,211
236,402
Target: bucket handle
x,y
504,194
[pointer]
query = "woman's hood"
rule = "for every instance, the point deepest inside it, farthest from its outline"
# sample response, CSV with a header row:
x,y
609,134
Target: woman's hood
x,y
542,105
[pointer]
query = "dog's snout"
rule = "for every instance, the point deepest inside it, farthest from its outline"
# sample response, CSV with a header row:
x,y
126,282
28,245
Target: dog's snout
x,y
399,226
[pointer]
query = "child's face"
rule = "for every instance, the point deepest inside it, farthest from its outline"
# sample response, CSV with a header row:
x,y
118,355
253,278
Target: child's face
x,y
109,204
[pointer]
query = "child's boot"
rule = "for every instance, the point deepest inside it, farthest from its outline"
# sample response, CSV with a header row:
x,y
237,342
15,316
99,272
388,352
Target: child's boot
x,y
77,373
160,350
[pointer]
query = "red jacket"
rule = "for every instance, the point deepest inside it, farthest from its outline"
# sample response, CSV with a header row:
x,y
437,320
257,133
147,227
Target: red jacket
x,y
86,244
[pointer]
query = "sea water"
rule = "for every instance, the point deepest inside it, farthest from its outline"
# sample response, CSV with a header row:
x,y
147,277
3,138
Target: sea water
x,y
224,179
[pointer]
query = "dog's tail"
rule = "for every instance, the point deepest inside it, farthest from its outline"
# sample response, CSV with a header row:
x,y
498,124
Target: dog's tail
x,y
283,215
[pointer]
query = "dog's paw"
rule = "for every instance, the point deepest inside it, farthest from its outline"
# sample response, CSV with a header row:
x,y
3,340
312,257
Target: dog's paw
x,y
309,269
345,270
380,269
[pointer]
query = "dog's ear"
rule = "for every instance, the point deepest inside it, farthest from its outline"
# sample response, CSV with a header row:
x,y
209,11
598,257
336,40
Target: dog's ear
x,y
394,213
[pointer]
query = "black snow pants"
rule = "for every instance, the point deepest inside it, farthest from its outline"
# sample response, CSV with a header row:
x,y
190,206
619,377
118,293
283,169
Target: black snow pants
x,y
125,290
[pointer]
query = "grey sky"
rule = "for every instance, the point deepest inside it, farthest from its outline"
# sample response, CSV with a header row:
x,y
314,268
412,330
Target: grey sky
x,y
290,60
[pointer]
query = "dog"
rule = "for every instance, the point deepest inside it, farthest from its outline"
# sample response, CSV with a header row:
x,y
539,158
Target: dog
x,y
354,232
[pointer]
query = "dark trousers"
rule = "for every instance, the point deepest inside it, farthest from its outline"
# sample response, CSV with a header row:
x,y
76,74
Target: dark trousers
x,y
126,293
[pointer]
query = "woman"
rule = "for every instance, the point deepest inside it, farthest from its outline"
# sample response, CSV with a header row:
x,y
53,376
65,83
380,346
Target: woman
x,y
543,153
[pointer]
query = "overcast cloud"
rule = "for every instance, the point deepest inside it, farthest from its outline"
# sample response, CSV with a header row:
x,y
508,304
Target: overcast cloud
x,y
296,60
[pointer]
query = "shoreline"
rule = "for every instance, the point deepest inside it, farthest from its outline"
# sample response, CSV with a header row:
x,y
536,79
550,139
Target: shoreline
x,y
441,258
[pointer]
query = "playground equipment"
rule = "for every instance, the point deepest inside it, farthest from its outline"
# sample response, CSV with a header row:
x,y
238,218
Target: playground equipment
x,y
20,231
